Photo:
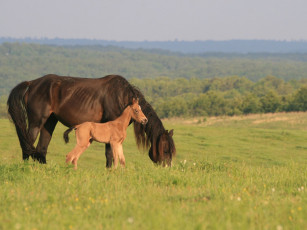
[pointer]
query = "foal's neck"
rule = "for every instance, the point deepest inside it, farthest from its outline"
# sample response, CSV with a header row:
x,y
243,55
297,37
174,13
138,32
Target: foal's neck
x,y
125,117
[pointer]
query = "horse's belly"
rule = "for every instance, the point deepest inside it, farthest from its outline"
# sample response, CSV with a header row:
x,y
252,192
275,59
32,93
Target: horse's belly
x,y
74,116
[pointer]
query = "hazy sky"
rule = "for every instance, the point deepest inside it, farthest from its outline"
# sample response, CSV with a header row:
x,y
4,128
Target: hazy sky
x,y
157,20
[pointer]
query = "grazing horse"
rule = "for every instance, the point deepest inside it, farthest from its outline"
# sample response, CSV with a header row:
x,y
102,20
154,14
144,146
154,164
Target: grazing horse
x,y
36,106
112,132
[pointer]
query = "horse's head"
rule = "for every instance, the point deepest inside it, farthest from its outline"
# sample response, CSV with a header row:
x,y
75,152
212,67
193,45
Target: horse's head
x,y
137,113
165,149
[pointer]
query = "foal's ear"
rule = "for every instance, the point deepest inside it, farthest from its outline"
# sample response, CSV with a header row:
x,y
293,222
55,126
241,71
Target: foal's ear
x,y
171,133
135,100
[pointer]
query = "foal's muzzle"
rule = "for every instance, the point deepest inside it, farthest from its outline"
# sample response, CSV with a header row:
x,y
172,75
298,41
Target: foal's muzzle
x,y
144,121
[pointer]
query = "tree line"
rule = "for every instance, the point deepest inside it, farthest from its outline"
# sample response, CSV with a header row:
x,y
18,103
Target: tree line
x,y
234,95
223,96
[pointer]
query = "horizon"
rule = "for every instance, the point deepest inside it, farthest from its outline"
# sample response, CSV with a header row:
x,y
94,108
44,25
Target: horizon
x,y
174,40
177,46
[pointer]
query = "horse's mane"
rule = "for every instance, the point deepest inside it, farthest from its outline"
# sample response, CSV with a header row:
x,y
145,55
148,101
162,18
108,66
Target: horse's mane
x,y
154,128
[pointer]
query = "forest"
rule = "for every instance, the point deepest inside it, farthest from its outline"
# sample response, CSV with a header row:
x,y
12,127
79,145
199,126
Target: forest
x,y
208,84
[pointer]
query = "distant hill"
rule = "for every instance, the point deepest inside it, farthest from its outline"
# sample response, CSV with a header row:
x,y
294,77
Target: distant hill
x,y
186,47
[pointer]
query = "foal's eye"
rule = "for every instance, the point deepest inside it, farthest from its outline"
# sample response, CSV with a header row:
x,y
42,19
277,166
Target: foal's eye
x,y
136,111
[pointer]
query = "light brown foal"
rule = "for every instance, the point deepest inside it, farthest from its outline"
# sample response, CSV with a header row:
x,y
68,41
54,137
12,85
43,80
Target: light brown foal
x,y
113,132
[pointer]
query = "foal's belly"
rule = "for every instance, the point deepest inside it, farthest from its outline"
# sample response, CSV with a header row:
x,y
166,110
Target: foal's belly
x,y
101,133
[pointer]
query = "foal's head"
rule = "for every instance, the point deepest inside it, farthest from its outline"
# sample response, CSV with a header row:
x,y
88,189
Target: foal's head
x,y
136,112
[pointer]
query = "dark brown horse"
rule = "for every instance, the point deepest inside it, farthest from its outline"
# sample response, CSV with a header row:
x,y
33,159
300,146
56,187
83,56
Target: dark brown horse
x,y
36,106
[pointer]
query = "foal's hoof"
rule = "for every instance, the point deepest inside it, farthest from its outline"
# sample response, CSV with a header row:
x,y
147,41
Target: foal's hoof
x,y
69,159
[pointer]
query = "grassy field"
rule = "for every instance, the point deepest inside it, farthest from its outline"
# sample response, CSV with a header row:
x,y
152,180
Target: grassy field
x,y
230,173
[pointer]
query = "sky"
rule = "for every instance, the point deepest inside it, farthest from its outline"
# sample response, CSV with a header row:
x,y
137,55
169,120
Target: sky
x,y
155,20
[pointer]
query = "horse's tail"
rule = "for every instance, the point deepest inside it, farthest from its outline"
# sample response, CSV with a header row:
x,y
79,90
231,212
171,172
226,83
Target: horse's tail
x,y
17,110
65,134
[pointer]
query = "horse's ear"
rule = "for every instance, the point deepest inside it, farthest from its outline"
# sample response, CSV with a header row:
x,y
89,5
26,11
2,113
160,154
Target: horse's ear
x,y
171,133
134,100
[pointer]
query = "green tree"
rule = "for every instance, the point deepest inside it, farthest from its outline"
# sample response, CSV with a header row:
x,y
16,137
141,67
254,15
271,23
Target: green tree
x,y
299,101
250,104
270,102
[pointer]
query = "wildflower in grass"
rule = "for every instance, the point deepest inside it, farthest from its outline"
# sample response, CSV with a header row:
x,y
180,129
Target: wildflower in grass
x,y
239,198
130,220
279,227
92,200
17,226
300,189
273,189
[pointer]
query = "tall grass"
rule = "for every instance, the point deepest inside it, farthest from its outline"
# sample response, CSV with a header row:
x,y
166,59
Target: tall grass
x,y
229,174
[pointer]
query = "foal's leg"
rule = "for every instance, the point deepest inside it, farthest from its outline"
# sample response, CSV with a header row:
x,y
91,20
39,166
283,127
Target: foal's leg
x,y
118,154
115,153
121,156
78,154
74,155
81,146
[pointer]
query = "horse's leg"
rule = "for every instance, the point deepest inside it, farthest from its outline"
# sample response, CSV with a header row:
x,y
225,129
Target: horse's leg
x,y
35,125
109,156
45,137
33,132
37,119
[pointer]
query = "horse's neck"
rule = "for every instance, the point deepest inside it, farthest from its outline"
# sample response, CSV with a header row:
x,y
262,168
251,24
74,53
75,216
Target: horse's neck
x,y
154,128
125,117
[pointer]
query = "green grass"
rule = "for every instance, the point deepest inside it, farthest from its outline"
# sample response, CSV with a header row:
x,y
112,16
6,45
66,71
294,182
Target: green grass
x,y
229,173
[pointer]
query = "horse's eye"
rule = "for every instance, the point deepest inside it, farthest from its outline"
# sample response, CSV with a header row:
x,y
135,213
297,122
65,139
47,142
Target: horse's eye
x,y
136,111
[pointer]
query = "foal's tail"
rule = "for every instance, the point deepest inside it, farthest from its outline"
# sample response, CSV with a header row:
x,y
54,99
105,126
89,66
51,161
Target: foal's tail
x,y
65,135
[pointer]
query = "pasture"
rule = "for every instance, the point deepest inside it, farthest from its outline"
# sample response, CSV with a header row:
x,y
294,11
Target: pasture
x,y
244,172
